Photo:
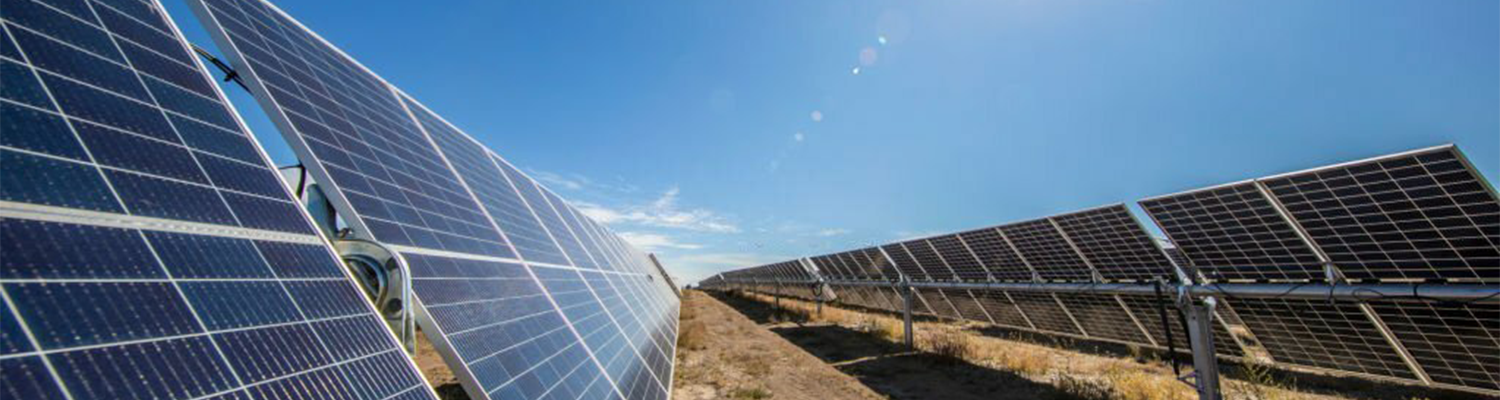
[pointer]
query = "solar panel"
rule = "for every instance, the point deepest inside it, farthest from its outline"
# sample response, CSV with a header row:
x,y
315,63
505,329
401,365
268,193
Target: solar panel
x,y
966,305
997,255
1321,334
927,258
1233,232
1001,309
957,256
879,262
1422,215
487,239
150,249
904,262
1046,250
1103,317
1044,311
1454,343
1147,310
1115,244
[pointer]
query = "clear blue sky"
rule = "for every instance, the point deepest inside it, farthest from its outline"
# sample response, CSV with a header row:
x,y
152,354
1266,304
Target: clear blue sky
x,y
690,124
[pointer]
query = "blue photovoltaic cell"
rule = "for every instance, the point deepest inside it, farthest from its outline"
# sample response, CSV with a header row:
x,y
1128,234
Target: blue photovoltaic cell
x,y
533,195
357,131
106,110
568,233
471,227
501,326
600,333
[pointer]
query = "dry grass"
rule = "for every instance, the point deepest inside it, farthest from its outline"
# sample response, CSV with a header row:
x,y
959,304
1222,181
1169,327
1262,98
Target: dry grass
x,y
951,344
1024,360
750,393
1142,376
692,336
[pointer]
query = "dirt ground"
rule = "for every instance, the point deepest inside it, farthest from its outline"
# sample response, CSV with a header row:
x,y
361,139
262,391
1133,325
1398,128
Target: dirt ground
x,y
437,372
746,347
974,361
722,354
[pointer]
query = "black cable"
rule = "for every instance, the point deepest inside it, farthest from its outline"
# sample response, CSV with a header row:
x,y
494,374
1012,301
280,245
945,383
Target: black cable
x,y
229,73
301,180
1161,310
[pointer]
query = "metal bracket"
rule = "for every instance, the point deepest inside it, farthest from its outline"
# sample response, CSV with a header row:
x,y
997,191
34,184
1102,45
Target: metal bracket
x,y
385,282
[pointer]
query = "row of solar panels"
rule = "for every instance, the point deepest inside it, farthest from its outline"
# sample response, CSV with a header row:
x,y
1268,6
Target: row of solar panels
x,y
151,250
1423,217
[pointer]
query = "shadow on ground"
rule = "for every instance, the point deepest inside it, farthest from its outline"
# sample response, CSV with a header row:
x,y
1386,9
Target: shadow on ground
x,y
889,368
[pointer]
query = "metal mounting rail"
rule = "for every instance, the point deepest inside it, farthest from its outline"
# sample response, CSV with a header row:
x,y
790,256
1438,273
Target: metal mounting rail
x,y
1355,292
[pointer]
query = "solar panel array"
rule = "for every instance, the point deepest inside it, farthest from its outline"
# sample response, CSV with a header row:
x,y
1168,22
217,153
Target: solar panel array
x,y
522,294
150,249
1423,217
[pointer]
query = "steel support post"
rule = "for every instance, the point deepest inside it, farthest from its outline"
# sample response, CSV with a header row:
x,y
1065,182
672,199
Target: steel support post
x,y
1201,336
906,298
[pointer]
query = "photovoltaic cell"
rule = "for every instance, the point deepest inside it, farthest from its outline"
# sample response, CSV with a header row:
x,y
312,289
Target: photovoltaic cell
x,y
967,307
1044,312
997,255
905,264
1001,309
1423,215
451,207
1233,232
1044,248
1457,344
927,259
1115,244
1103,317
958,258
114,144
938,303
1336,336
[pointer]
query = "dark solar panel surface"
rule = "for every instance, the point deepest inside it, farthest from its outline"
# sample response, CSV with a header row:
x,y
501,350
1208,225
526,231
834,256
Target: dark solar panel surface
x,y
105,109
1455,343
959,259
967,306
938,303
1320,334
1043,311
1234,232
1103,317
1001,309
1115,244
1424,215
880,263
1045,249
1147,309
905,264
997,255
927,259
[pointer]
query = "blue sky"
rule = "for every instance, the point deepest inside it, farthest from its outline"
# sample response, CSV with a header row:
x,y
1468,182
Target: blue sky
x,y
722,134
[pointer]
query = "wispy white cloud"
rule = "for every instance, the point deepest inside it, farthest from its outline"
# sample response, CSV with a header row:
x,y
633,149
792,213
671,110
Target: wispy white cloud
x,y
663,212
655,241
832,232
696,267
576,182
556,180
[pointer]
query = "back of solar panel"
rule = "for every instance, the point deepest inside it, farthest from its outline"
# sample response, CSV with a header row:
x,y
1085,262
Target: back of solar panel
x,y
150,249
